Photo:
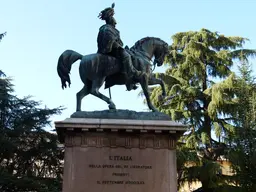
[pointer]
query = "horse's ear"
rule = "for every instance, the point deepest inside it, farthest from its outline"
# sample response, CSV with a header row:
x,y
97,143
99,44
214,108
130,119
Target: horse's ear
x,y
113,5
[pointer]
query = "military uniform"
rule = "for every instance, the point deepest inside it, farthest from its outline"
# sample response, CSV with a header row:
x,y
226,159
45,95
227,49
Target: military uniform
x,y
110,43
107,38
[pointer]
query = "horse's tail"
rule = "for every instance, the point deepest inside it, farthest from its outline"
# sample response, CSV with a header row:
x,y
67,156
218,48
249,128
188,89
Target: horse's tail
x,y
66,59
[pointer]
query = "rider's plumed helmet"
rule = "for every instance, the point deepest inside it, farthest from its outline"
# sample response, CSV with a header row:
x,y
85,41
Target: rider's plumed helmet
x,y
107,13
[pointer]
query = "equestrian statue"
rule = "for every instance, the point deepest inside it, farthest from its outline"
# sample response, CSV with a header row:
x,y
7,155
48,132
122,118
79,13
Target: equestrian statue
x,y
114,64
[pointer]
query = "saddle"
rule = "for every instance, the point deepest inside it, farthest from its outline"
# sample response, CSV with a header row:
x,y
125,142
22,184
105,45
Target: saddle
x,y
120,77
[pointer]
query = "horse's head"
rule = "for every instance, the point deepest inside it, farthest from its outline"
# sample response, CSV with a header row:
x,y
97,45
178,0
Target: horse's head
x,y
152,46
160,51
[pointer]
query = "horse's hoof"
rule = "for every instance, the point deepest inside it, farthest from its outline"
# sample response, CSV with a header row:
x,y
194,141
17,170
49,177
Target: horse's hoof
x,y
111,106
135,87
154,110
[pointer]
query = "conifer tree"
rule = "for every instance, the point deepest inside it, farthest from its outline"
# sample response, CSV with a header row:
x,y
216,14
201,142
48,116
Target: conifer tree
x,y
2,35
30,159
200,93
242,151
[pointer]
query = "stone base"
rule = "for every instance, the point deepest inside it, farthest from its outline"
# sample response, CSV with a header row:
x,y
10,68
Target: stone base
x,y
121,114
109,155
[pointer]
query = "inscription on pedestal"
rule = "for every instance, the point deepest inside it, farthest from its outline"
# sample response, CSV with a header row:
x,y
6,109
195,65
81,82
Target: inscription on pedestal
x,y
118,176
114,162
110,169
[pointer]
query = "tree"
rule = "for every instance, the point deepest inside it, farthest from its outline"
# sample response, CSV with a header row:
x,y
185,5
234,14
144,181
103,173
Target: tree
x,y
200,88
242,153
2,35
30,159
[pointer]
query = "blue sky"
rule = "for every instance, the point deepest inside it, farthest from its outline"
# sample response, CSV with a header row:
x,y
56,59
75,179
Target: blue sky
x,y
39,31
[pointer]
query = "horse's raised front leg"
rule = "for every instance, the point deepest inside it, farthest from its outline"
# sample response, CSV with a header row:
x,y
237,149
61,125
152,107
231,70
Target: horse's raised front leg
x,y
154,81
95,91
144,85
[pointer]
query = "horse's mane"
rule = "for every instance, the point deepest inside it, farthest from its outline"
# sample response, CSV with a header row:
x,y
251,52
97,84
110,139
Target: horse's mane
x,y
140,42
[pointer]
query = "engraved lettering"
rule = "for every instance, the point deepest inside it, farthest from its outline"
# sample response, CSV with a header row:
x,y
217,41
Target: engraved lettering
x,y
94,166
106,182
135,182
120,158
120,174
107,166
112,182
141,167
120,170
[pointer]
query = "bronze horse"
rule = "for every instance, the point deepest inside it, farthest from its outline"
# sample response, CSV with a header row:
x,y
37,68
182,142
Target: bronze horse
x,y
95,69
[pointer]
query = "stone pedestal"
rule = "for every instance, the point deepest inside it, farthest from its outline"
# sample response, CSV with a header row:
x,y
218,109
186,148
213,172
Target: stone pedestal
x,y
119,155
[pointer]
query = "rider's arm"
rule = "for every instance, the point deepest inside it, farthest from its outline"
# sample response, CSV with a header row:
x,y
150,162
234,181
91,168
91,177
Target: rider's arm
x,y
120,42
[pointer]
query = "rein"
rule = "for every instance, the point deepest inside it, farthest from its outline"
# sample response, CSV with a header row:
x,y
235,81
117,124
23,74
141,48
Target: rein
x,y
150,60
152,70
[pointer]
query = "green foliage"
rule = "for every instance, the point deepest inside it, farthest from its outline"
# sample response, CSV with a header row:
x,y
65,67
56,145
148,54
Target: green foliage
x,y
199,169
202,93
186,156
222,97
242,153
2,35
30,159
